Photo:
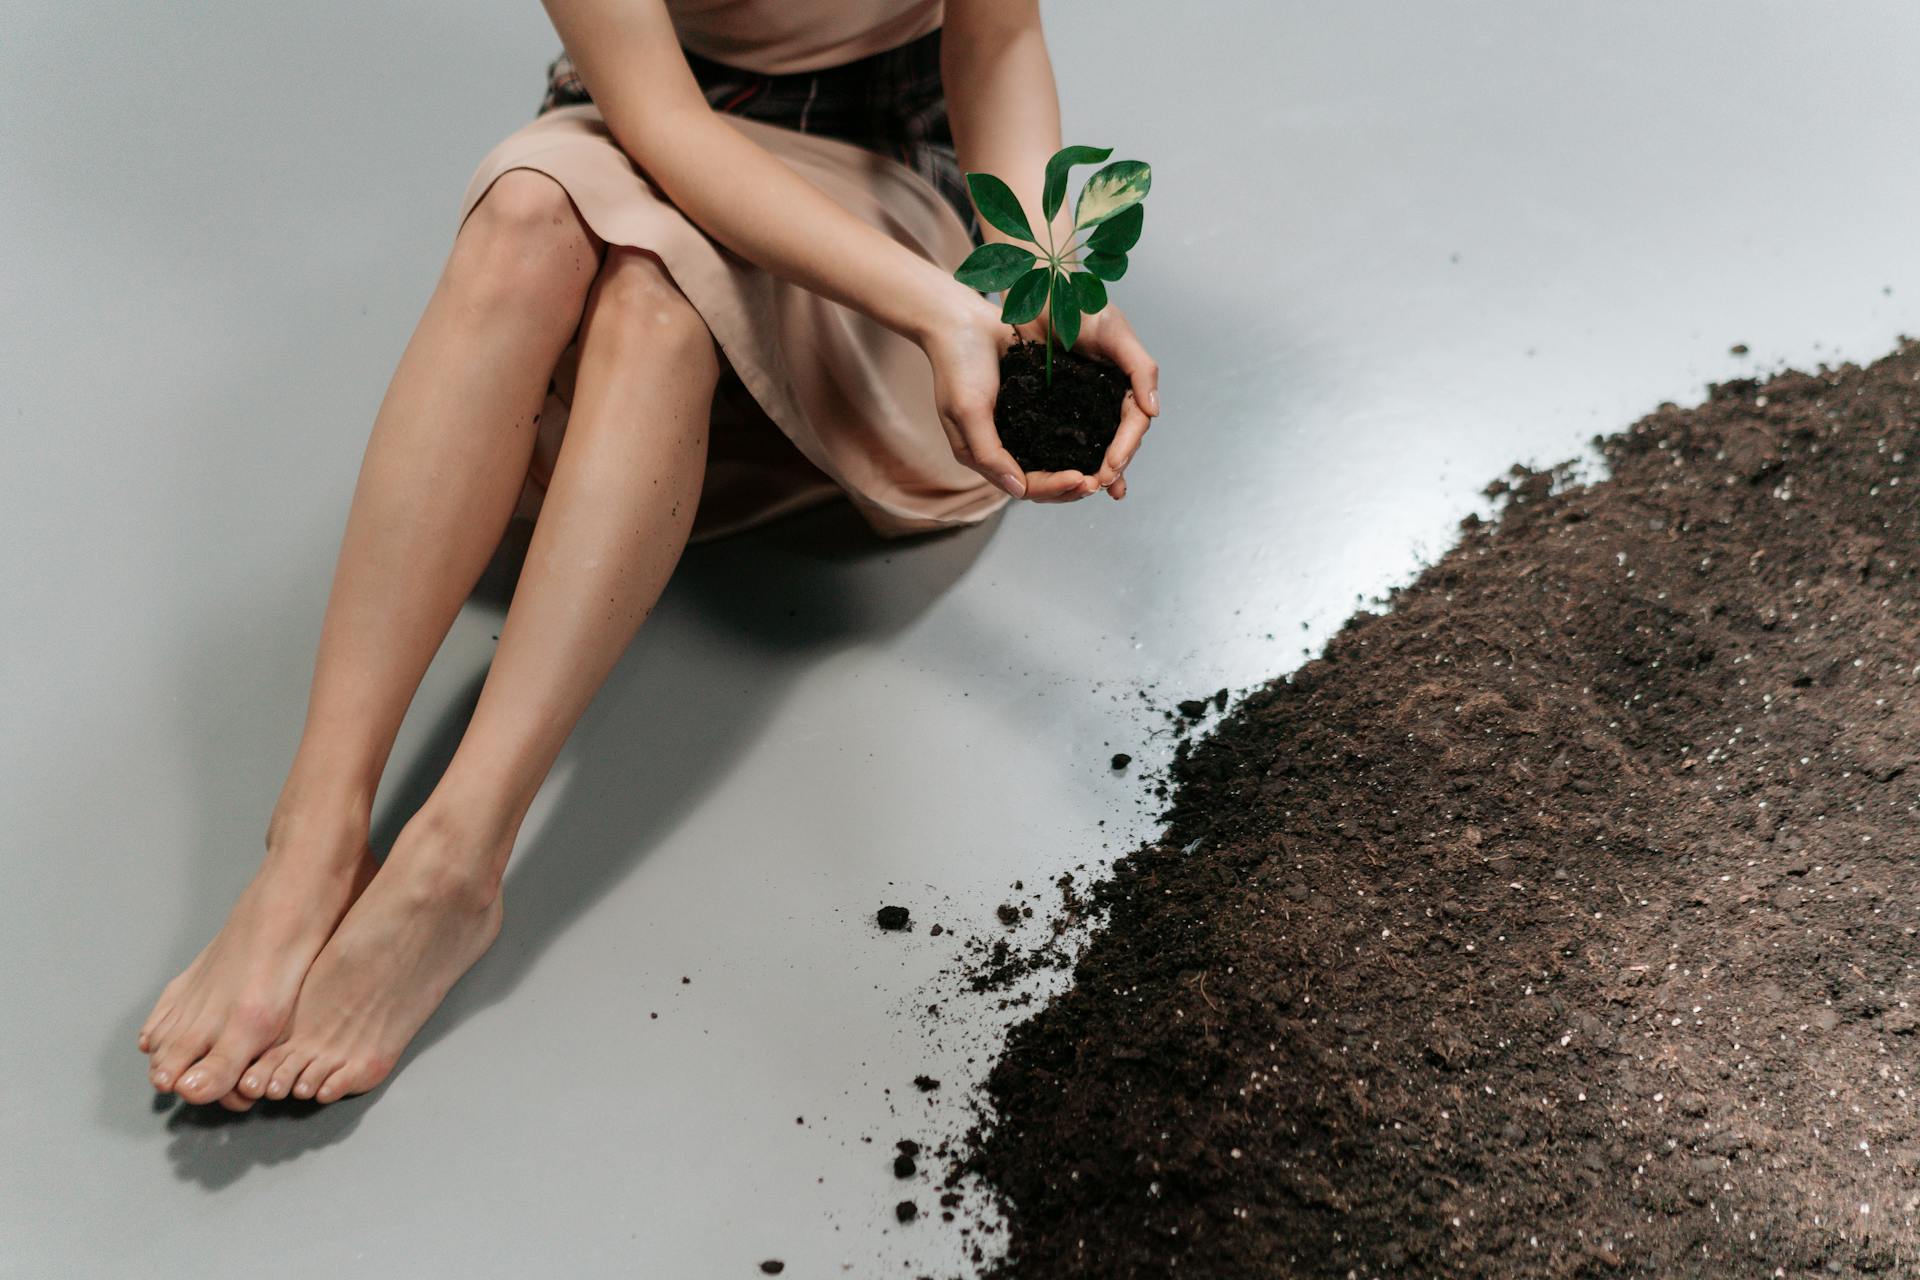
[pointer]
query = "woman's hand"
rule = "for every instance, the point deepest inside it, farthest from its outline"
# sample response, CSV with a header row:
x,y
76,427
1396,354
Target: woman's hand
x,y
1106,335
965,353
964,350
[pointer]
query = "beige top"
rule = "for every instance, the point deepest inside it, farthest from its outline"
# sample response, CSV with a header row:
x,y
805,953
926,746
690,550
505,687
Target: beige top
x,y
783,36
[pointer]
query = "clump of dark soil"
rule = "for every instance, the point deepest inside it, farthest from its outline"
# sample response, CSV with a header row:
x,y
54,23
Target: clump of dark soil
x,y
1063,427
1560,921
892,918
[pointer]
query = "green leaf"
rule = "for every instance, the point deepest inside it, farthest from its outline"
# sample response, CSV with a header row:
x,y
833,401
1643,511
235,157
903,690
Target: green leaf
x,y
992,267
1063,160
1120,232
1089,292
1120,185
1026,297
998,205
1108,266
1063,311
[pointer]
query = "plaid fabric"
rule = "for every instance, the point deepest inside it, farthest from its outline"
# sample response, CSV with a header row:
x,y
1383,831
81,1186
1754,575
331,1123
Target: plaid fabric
x,y
891,103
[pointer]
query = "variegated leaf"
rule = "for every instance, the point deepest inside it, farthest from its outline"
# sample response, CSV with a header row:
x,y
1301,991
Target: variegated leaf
x,y
1056,185
1117,187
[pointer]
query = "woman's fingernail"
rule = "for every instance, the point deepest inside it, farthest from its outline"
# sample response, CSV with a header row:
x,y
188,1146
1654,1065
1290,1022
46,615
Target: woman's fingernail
x,y
1153,402
1013,484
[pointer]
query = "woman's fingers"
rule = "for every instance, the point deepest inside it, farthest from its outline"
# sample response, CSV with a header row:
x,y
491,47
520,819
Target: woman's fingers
x,y
1120,345
1060,486
1126,439
976,444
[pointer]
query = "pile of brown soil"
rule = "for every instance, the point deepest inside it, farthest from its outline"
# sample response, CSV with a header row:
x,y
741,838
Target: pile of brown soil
x,y
1063,427
1558,922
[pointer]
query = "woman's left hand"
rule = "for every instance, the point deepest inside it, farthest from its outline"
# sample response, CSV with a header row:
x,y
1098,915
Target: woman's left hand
x,y
1106,335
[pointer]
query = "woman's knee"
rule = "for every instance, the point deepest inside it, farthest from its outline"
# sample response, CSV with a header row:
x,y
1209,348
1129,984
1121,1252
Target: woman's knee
x,y
525,243
635,298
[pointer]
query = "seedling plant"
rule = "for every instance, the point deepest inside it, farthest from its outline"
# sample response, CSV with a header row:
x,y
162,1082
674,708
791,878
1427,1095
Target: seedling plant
x,y
1057,278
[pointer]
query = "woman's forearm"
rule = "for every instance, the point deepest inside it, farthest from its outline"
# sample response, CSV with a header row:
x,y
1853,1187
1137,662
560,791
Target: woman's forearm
x,y
731,187
1001,100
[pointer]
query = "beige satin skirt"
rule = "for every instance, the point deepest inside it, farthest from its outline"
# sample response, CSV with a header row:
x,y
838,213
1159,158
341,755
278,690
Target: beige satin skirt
x,y
817,400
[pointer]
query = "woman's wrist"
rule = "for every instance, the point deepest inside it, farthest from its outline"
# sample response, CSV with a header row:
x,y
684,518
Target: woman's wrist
x,y
934,303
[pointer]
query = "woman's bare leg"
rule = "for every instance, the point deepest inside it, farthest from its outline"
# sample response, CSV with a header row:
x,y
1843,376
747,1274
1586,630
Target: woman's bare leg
x,y
448,453
611,528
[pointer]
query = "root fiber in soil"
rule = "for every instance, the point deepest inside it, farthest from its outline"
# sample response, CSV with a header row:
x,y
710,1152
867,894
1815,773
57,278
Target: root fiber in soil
x,y
1559,921
1063,427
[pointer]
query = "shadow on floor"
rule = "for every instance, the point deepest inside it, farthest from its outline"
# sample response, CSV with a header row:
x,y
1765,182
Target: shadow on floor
x,y
742,620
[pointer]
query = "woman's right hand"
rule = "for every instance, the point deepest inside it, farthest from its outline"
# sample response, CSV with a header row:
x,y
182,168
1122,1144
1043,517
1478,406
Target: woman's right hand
x,y
964,349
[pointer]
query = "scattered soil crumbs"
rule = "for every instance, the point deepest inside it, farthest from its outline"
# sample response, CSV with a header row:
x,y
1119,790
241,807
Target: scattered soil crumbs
x,y
1063,427
1558,922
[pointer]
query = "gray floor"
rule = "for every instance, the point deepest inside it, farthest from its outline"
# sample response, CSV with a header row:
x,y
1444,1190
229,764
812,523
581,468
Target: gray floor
x,y
1392,248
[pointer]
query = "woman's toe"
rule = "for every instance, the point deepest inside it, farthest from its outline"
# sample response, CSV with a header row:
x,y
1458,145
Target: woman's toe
x,y
236,1102
172,1058
335,1087
213,1076
312,1076
155,1037
151,1025
254,1080
162,1012
355,1077
286,1070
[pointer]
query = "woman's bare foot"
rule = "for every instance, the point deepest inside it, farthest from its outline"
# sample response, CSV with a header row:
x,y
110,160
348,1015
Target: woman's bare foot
x,y
236,996
434,910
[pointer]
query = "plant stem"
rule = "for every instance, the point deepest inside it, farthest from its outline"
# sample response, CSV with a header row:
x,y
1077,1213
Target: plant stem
x,y
1053,261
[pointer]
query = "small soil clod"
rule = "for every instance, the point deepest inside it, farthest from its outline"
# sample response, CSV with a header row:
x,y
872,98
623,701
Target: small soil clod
x,y
892,919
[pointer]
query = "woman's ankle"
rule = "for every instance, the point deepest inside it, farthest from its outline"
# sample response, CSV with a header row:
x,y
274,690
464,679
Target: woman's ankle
x,y
457,850
325,825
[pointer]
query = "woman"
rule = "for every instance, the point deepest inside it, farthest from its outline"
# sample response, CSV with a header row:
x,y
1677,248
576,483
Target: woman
x,y
728,267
